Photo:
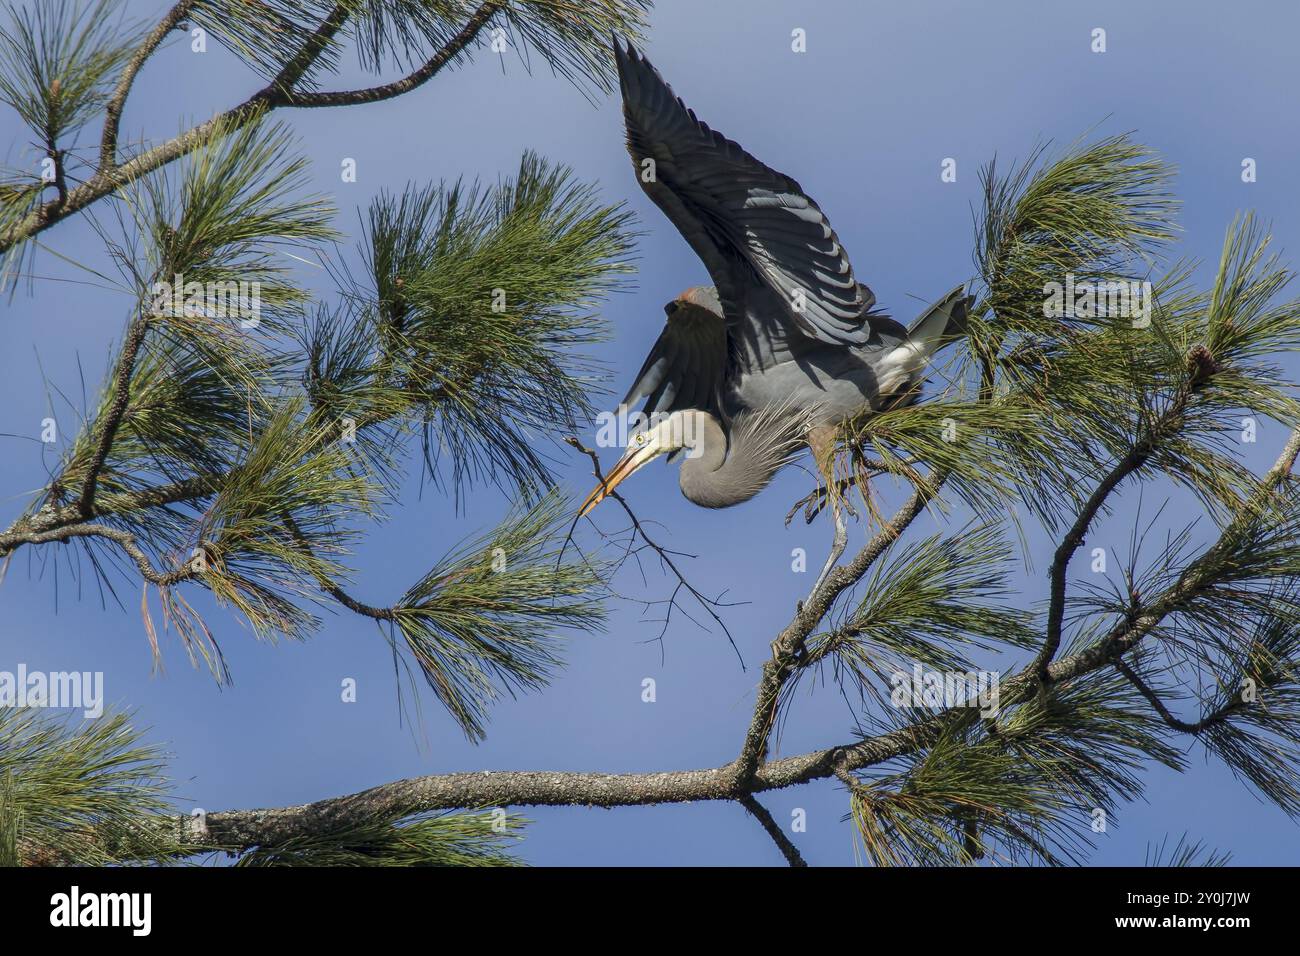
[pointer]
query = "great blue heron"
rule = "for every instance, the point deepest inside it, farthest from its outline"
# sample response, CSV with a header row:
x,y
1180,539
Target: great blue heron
x,y
784,347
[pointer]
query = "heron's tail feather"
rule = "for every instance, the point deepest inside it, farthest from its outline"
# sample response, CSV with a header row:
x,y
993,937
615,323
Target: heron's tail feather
x,y
943,322
900,372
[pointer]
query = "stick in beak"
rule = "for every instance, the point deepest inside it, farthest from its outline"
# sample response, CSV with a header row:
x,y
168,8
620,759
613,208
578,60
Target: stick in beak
x,y
643,450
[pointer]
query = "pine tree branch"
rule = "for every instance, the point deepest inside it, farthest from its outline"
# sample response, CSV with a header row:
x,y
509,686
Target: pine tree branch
x,y
241,829
51,516
1285,462
123,539
783,842
298,65
333,589
117,100
1209,720
1071,543
60,173
738,781
308,99
788,647
107,427
1201,365
276,94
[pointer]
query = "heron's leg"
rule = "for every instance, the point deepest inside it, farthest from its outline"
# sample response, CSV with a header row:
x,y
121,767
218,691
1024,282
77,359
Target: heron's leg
x,y
822,442
837,546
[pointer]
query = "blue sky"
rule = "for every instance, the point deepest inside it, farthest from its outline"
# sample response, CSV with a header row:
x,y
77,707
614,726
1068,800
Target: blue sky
x,y
863,119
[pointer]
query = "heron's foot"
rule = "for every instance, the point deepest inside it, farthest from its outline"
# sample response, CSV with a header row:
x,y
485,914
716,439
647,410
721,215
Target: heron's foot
x,y
815,502
837,551
812,505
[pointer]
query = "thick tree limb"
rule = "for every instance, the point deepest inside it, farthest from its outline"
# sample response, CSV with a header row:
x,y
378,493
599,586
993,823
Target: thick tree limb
x,y
241,829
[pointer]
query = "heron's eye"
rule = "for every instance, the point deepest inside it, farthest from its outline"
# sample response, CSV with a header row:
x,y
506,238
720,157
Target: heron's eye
x,y
640,439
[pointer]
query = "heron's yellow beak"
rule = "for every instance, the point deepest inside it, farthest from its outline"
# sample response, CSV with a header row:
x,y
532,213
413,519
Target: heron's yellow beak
x,y
633,460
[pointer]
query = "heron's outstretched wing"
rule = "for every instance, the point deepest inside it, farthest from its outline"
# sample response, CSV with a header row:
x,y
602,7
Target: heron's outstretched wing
x,y
687,366
748,223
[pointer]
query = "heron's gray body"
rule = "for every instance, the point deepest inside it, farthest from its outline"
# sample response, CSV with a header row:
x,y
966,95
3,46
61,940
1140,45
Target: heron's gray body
x,y
819,383
834,383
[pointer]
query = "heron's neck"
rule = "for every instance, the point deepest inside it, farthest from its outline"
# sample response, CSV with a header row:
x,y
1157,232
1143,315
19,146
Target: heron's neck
x,y
713,478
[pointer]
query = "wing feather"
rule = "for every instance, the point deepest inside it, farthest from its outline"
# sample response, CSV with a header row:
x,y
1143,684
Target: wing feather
x,y
687,366
748,223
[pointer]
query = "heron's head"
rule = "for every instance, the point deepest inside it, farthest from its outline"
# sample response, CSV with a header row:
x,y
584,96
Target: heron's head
x,y
702,297
670,434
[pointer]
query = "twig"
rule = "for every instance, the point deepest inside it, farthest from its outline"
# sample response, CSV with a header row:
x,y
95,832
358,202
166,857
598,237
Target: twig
x,y
373,94
664,554
1209,720
124,540
764,817
108,425
332,588
117,100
